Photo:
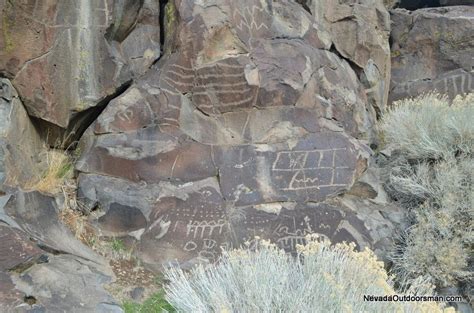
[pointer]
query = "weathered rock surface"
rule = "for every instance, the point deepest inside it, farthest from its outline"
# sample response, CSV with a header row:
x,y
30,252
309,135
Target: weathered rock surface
x,y
247,118
37,215
42,266
10,297
65,284
20,143
16,249
250,125
64,57
432,49
62,284
359,31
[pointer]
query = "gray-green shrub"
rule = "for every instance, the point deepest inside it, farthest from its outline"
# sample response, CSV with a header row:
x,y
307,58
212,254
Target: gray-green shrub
x,y
429,128
329,279
430,172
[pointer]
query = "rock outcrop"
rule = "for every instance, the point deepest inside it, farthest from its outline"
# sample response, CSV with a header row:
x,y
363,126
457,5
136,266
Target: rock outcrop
x,y
42,265
65,57
432,49
358,32
252,124
203,124
20,144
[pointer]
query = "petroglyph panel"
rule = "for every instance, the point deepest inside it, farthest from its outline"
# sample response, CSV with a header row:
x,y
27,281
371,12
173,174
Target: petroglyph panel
x,y
451,83
193,228
223,87
178,76
65,56
317,166
311,169
432,50
289,227
131,111
247,98
251,19
149,155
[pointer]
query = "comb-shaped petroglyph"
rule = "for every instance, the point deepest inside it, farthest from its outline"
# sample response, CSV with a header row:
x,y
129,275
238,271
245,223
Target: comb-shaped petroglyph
x,y
199,229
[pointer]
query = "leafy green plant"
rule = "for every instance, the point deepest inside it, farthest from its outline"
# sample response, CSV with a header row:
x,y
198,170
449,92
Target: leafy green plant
x,y
117,245
156,303
323,278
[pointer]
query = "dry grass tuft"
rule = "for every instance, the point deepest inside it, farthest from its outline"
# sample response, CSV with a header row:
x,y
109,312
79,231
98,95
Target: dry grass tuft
x,y
59,167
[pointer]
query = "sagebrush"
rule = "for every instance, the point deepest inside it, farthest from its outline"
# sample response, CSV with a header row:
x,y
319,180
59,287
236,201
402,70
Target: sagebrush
x,y
430,172
322,278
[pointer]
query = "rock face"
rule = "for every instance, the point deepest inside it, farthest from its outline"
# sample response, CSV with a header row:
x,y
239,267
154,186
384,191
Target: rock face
x,y
358,31
20,144
65,57
432,49
42,266
250,125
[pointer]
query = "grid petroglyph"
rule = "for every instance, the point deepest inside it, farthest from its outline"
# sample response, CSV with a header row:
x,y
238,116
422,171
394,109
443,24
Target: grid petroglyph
x,y
311,169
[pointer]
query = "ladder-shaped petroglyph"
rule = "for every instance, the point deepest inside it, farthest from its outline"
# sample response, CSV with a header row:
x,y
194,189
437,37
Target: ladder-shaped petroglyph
x,y
312,169
179,77
456,84
222,85
452,84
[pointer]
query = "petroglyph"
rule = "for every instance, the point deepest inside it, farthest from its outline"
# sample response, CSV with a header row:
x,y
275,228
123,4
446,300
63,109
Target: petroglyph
x,y
452,83
201,228
287,239
207,249
456,84
311,169
125,115
222,86
248,19
190,246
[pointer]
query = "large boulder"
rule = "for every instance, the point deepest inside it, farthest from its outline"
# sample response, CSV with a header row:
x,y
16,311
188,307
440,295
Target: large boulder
x,y
37,215
20,143
432,49
42,266
65,57
253,123
358,31
61,283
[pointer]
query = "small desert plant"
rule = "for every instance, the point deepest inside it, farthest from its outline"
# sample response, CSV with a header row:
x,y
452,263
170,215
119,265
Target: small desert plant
x,y
390,4
322,278
430,173
117,245
59,167
155,303
428,128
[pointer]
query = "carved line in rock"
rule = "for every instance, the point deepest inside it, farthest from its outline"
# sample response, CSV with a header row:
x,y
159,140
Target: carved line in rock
x,y
248,18
453,85
306,168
